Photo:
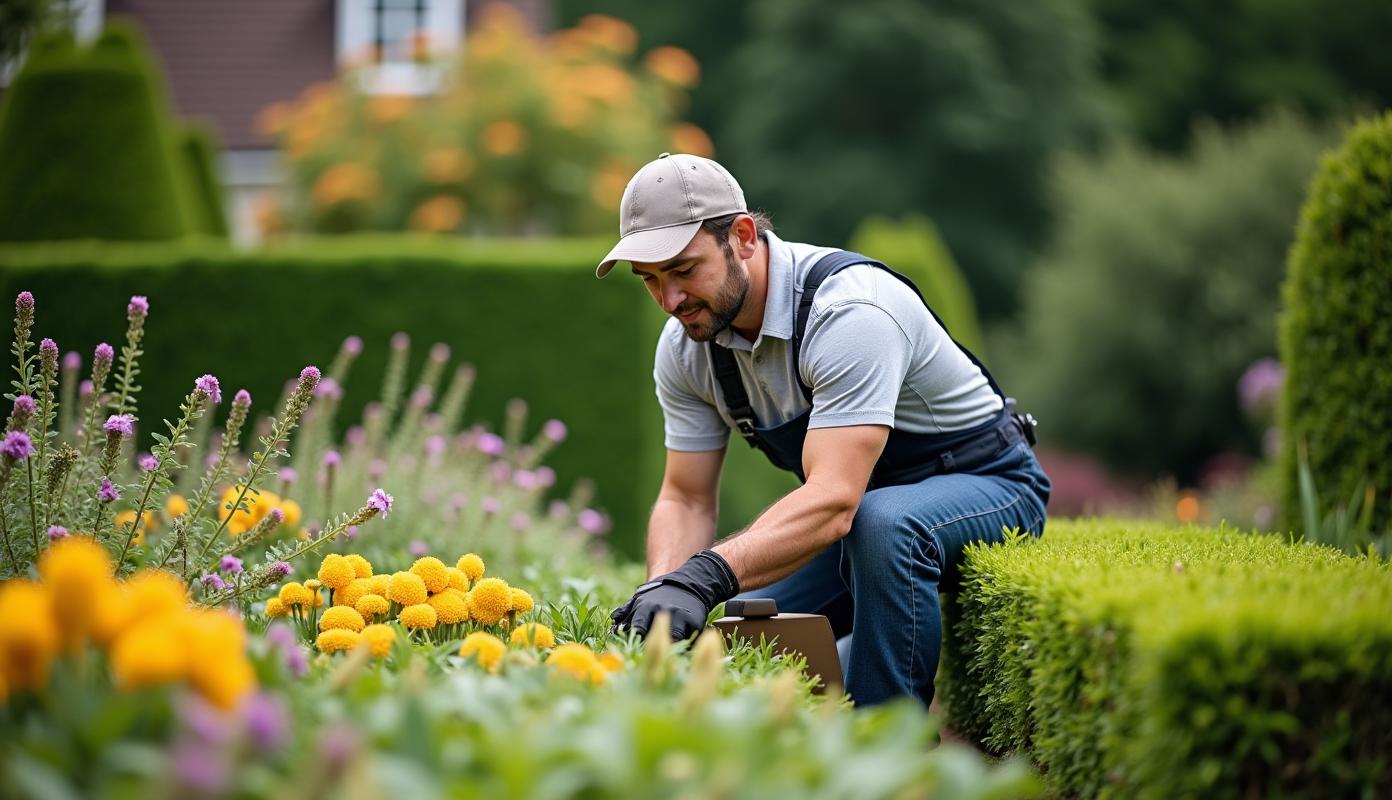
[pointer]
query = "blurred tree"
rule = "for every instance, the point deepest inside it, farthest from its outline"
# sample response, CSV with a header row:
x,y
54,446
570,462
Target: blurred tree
x,y
22,20
1161,288
1167,64
828,112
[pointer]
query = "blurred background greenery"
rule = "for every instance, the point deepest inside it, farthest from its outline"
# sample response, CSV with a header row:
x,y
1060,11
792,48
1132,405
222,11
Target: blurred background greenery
x,y
1099,195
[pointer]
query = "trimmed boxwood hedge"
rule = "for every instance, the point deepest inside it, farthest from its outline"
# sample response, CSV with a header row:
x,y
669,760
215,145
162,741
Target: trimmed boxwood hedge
x,y
529,315
1139,660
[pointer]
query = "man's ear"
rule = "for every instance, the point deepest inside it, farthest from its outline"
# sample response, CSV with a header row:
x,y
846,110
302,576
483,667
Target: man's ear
x,y
746,236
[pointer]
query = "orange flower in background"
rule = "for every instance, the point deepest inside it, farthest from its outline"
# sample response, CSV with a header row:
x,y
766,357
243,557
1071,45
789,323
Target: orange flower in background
x,y
388,108
605,82
499,30
343,183
504,137
673,65
28,635
268,218
609,183
1187,509
273,119
440,214
570,111
611,33
688,138
447,165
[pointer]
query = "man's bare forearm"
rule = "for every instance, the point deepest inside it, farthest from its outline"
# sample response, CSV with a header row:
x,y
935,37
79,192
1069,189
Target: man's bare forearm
x,y
788,535
676,530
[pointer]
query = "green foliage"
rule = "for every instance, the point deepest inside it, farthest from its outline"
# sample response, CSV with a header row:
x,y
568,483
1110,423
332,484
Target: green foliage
x,y
912,246
1335,330
1137,660
1158,292
99,164
529,315
198,148
1167,64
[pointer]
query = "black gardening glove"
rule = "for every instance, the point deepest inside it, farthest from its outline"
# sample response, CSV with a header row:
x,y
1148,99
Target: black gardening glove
x,y
687,593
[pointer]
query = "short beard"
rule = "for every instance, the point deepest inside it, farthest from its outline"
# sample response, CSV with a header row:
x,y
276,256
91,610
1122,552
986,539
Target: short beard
x,y
729,299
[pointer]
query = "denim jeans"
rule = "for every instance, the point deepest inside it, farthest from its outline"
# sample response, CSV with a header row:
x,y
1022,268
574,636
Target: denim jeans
x,y
881,582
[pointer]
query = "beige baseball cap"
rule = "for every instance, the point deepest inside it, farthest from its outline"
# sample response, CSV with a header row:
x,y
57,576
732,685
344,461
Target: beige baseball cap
x,y
664,204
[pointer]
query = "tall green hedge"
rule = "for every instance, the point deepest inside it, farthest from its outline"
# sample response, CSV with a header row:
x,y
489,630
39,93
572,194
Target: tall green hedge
x,y
1140,660
1336,328
86,149
530,316
198,149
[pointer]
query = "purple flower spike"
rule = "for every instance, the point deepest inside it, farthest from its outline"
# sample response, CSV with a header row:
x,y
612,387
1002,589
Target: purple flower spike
x,y
421,397
546,477
24,302
139,306
24,406
328,387
591,521
280,569
554,430
439,352
208,385
48,349
276,515
356,436
350,532
381,501
267,722
289,475
148,463
297,660
17,446
104,353
242,398
280,635
84,389
434,446
491,505
491,444
419,549
400,341
199,769
525,479
72,360
520,521
56,532
231,565
214,583
121,424
332,458
310,374
352,345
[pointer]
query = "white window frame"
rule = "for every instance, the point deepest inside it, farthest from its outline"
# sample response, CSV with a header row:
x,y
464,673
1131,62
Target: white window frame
x,y
355,23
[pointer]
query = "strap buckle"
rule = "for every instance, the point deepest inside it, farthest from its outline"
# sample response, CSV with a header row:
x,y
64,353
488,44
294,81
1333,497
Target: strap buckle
x,y
746,429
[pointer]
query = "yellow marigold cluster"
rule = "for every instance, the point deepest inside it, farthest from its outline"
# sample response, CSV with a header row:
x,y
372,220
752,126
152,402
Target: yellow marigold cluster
x,y
450,606
380,639
372,605
336,571
471,565
419,616
294,594
355,590
332,641
577,661
407,589
432,571
150,633
533,634
489,601
486,648
521,600
258,505
341,617
457,579
126,517
362,568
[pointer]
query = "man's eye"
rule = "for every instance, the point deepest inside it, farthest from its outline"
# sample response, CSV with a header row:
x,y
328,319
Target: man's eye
x,y
685,272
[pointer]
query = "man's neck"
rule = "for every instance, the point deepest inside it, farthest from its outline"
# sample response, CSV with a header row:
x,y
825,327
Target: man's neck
x,y
751,318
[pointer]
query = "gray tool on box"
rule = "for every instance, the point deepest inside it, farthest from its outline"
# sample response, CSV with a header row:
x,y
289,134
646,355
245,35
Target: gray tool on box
x,y
808,634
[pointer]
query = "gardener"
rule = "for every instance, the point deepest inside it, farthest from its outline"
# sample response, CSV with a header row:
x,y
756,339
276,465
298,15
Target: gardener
x,y
833,366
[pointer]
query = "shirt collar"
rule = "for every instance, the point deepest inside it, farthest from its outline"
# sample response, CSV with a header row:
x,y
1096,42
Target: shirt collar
x,y
778,302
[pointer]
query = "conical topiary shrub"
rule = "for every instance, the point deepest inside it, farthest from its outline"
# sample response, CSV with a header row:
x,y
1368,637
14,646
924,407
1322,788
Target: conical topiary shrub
x,y
85,145
1335,332
197,148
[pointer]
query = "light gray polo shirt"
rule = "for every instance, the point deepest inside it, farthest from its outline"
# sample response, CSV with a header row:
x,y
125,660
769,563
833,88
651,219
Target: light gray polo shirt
x,y
873,354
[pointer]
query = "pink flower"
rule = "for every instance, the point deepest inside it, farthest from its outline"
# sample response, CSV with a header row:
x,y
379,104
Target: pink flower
x,y
352,345
121,424
546,477
148,463
555,430
208,385
380,501
56,532
72,361
332,458
520,521
491,505
17,446
491,444
400,341
103,353
138,307
591,521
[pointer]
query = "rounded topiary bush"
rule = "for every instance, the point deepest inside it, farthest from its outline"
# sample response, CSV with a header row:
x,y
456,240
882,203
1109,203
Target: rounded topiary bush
x,y
85,146
197,148
1335,330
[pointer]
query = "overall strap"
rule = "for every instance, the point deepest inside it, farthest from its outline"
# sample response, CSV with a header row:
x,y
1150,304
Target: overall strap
x,y
736,398
829,265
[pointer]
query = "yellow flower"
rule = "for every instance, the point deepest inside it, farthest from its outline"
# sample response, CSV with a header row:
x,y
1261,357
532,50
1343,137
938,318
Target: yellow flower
x,y
111,616
362,568
151,653
372,605
77,571
175,506
450,606
520,600
295,594
407,589
276,609
611,660
154,592
447,165
353,592
336,571
533,634
578,661
432,571
673,65
342,183
440,214
471,565
457,579
486,648
610,33
337,639
313,584
127,516
292,512
28,637
340,617
504,137
380,639
217,664
421,615
489,601
381,583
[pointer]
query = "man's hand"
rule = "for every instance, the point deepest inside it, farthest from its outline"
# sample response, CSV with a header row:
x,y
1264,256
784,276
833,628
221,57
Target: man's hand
x,y
688,594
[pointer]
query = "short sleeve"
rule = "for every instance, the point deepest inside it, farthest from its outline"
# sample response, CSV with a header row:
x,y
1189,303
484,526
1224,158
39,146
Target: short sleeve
x,y
690,422
855,358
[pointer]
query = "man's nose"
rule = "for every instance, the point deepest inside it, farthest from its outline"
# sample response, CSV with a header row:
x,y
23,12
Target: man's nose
x,y
672,297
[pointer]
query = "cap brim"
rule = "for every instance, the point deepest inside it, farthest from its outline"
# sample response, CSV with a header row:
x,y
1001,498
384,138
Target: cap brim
x,y
657,244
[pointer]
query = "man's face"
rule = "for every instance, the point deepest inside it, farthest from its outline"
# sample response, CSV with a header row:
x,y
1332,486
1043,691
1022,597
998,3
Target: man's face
x,y
704,287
